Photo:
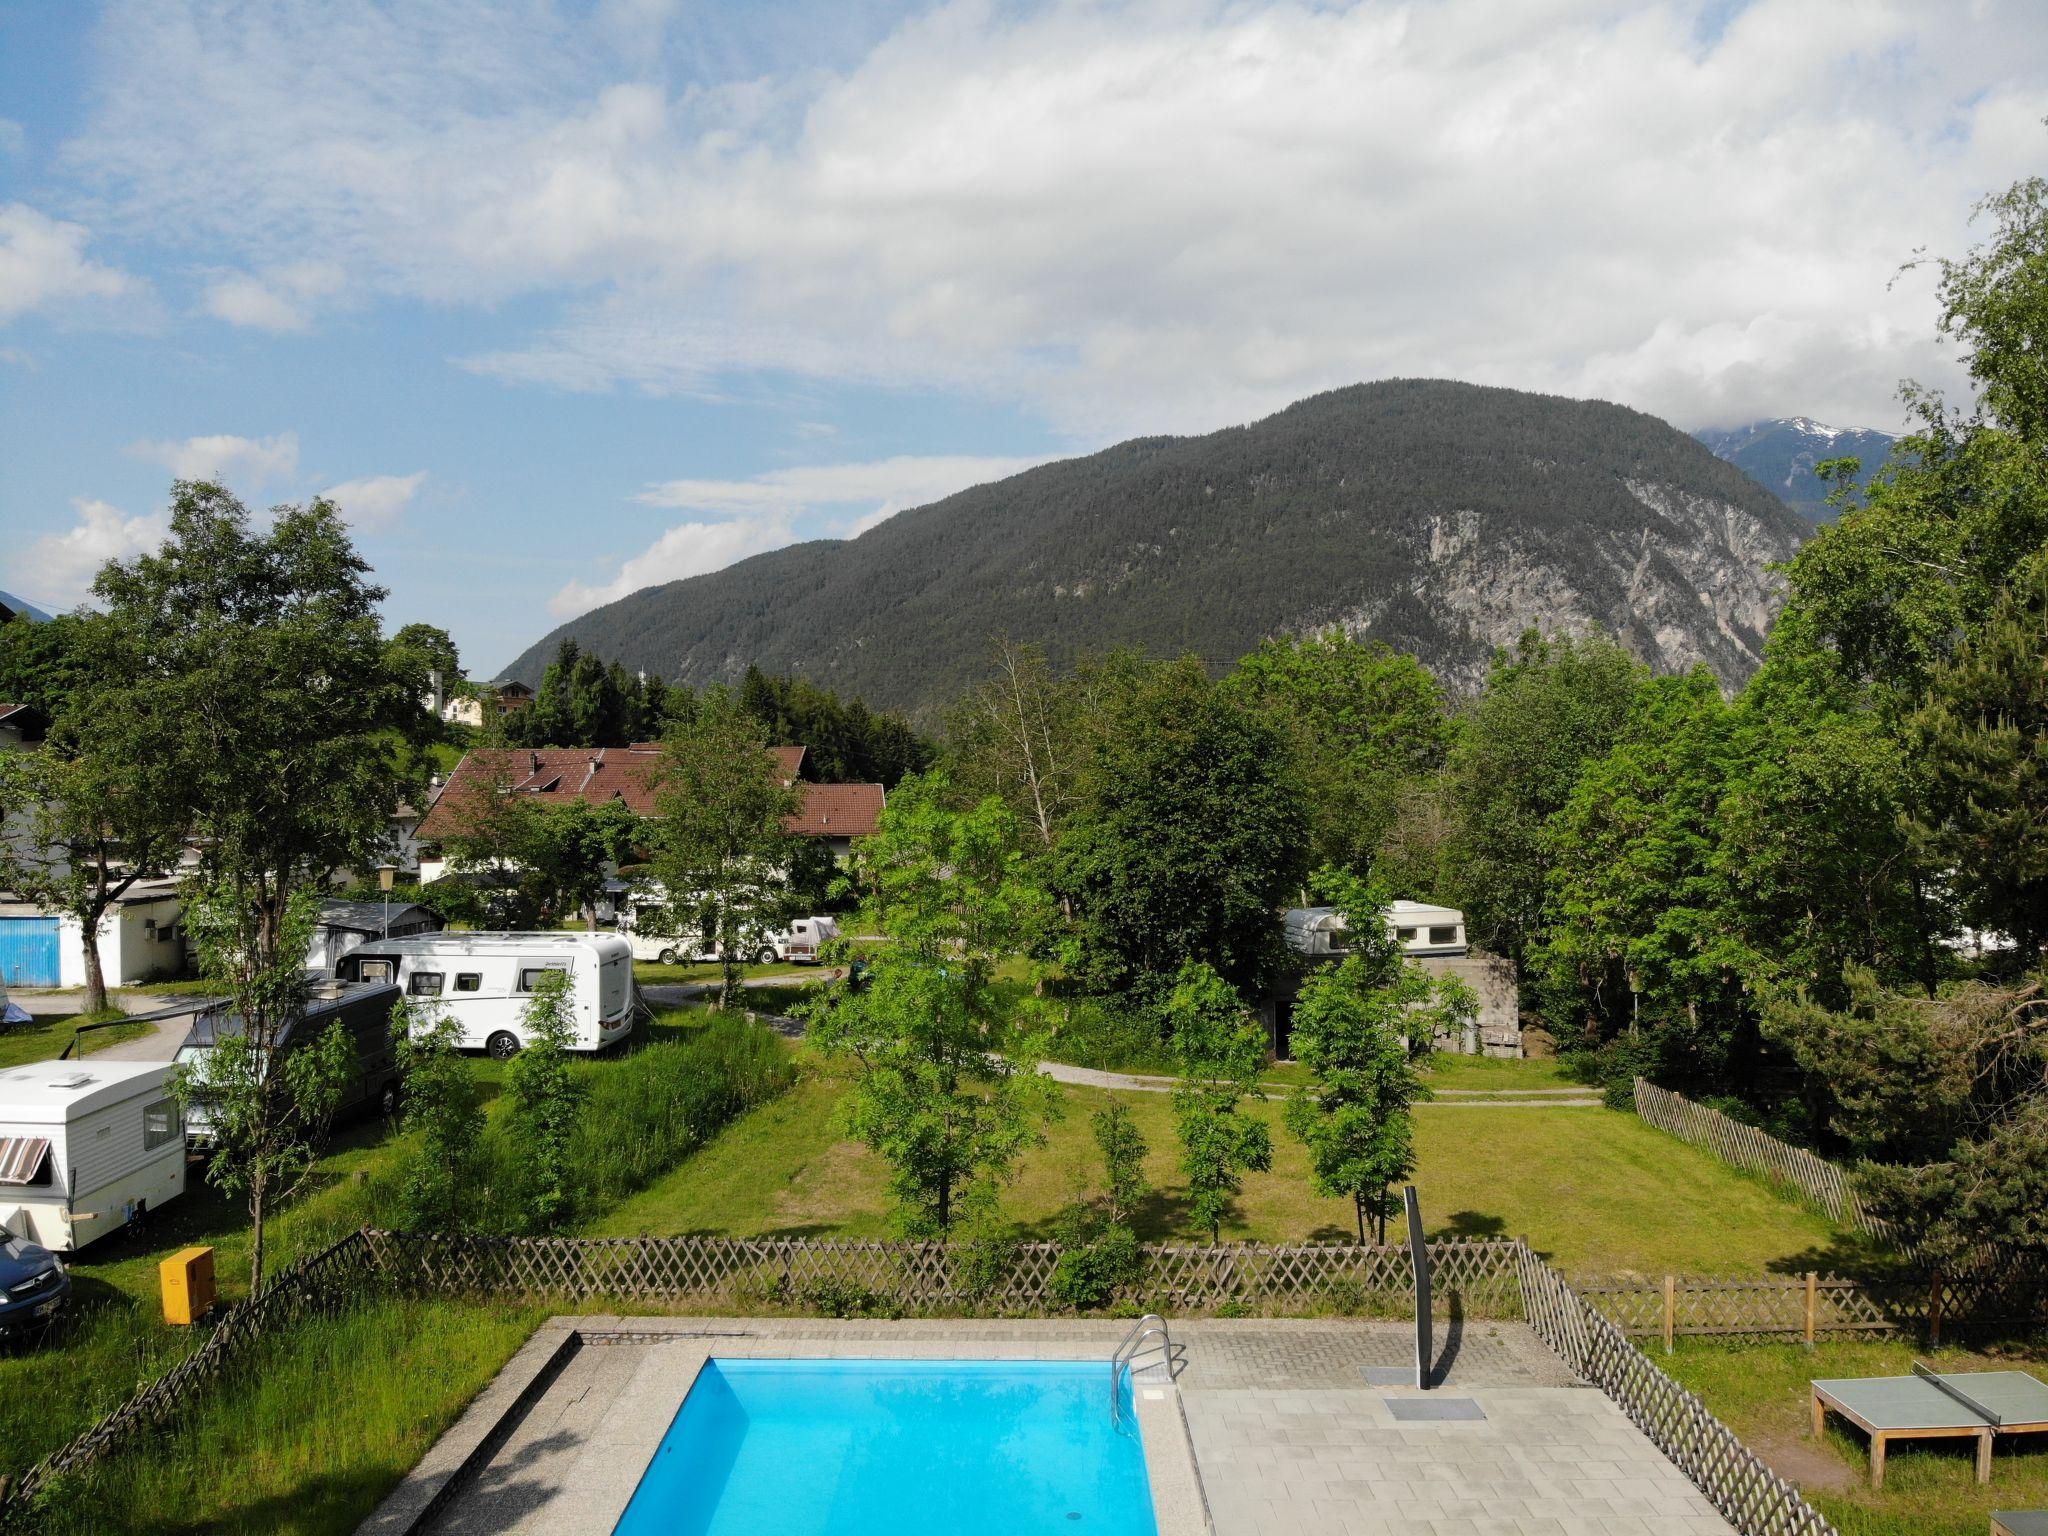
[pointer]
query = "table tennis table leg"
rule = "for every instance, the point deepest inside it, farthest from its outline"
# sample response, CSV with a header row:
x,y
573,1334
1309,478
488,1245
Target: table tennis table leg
x,y
1984,1457
1820,1416
1877,1459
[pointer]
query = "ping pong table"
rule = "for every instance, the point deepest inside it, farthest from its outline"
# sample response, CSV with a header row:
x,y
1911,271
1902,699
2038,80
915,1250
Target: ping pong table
x,y
1929,1405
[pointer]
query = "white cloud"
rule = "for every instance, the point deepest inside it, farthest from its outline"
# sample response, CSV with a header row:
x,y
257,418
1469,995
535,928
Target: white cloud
x,y
689,549
280,301
43,262
61,566
1129,216
375,501
249,462
770,510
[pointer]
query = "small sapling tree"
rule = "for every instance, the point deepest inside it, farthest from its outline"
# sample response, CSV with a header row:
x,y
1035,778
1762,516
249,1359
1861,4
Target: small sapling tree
x,y
545,1099
1221,1051
444,1108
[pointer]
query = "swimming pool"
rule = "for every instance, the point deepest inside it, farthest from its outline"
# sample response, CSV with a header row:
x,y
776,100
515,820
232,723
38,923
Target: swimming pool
x,y
867,1447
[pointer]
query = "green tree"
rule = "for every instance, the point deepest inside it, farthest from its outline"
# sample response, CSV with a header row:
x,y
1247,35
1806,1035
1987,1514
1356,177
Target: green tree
x,y
445,1171
1550,706
1123,1150
545,1099
1370,725
1016,734
945,1085
429,648
266,1099
1221,1052
88,816
250,668
554,858
1356,1025
1188,832
47,664
722,849
1982,731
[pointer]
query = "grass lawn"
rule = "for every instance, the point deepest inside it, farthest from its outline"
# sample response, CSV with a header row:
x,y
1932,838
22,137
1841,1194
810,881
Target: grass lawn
x,y
253,1456
652,973
1594,1189
1930,1486
44,1038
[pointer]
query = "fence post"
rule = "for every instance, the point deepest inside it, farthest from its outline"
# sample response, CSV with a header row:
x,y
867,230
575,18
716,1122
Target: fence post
x,y
1934,1310
1812,1304
1670,1311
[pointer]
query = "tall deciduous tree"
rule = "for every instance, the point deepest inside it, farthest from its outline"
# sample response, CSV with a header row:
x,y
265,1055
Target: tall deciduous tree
x,y
443,1099
249,665
1189,830
545,1097
721,848
1370,725
945,1087
1550,706
87,815
1356,1027
1221,1051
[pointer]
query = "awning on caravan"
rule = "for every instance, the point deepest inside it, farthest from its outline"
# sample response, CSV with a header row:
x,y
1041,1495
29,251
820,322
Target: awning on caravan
x,y
20,1157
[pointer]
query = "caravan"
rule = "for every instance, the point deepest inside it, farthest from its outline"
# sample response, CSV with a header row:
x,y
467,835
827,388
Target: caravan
x,y
486,980
86,1147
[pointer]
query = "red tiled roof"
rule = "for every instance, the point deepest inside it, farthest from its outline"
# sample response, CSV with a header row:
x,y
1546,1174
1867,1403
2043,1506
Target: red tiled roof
x,y
838,810
600,774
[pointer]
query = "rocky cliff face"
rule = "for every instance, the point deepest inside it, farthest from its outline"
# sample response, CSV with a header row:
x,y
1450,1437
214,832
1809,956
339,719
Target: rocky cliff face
x,y
1441,518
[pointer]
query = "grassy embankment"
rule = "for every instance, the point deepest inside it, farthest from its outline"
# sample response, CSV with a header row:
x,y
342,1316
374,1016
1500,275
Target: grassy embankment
x,y
44,1038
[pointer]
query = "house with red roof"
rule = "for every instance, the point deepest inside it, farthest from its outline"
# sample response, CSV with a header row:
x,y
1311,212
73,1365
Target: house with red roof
x,y
833,814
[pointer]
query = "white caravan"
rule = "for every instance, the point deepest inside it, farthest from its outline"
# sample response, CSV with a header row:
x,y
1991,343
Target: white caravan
x,y
642,917
86,1147
484,981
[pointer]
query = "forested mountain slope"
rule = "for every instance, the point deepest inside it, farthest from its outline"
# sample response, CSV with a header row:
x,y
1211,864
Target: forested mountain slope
x,y
1442,518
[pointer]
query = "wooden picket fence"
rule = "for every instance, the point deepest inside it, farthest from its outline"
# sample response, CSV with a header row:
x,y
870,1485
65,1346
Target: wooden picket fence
x,y
1793,1169
322,1283
1753,1498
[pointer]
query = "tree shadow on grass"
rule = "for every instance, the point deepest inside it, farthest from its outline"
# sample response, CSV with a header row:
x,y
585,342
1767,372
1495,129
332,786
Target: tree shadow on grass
x,y
1470,1226
1849,1256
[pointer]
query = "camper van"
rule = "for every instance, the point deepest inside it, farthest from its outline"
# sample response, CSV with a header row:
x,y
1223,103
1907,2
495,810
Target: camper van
x,y
86,1147
364,1012
485,981
643,918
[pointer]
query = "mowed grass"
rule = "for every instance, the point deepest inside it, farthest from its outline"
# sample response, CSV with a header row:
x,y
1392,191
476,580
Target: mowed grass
x,y
1595,1190
1761,1392
256,1455
41,1039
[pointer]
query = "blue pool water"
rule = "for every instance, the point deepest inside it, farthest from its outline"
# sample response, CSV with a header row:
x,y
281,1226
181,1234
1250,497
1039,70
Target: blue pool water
x,y
880,1447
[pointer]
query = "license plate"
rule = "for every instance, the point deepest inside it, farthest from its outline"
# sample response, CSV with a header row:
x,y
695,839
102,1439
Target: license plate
x,y
45,1308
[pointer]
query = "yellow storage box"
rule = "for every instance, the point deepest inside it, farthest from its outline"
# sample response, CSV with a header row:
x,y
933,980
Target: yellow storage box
x,y
187,1277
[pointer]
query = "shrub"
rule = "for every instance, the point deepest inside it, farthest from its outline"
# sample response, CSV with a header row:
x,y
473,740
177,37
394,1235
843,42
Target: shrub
x,y
1110,1035
1087,1277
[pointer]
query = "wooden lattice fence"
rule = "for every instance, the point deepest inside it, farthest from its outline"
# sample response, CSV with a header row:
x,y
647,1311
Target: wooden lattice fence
x,y
918,1279
1791,1168
322,1283
1753,1498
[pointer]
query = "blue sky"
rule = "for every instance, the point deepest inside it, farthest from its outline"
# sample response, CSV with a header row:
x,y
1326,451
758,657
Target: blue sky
x,y
562,299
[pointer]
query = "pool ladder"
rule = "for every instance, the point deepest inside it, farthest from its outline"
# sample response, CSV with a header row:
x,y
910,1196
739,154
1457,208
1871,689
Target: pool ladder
x,y
1151,1325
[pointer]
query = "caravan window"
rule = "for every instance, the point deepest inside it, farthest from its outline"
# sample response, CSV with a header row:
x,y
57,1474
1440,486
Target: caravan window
x,y
1443,935
376,970
469,981
161,1124
1405,935
530,975
425,984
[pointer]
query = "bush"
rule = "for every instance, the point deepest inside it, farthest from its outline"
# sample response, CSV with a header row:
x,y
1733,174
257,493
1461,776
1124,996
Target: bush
x,y
1085,1278
1110,1035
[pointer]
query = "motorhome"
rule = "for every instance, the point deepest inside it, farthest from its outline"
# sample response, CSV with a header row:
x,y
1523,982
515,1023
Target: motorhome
x,y
485,981
1418,927
643,920
364,1013
86,1147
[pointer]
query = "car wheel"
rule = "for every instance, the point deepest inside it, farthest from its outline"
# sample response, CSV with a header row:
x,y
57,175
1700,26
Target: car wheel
x,y
502,1046
766,957
387,1101
667,957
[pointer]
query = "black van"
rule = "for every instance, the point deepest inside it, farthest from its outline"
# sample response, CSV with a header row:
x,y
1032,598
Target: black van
x,y
364,1009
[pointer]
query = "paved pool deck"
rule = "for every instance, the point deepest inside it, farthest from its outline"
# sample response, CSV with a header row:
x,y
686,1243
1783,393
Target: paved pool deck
x,y
1256,1426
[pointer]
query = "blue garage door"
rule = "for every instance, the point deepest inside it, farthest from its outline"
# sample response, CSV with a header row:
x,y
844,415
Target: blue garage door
x,y
28,951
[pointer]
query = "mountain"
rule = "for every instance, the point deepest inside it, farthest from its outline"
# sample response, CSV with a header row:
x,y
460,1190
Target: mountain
x,y
1442,518
1779,455
11,605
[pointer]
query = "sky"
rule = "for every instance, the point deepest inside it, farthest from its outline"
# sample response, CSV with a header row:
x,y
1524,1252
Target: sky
x,y
557,299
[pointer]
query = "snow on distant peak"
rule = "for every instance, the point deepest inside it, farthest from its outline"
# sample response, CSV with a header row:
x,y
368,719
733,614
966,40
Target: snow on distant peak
x,y
1814,428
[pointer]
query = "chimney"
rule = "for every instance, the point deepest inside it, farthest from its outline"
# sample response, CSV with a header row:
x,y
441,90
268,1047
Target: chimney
x,y
533,760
